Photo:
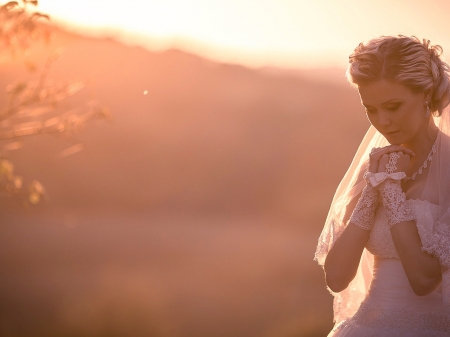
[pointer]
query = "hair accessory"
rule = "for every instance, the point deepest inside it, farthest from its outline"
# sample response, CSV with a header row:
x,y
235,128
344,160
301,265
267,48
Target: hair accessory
x,y
390,166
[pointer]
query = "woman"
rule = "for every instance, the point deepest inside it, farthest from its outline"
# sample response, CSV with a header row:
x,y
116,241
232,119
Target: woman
x,y
385,247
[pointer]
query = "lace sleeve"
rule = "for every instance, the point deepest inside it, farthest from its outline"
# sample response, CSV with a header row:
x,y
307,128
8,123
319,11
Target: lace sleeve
x,y
437,243
435,235
394,201
364,213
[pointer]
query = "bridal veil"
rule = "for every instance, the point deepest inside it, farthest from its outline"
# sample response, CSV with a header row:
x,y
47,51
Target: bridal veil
x,y
435,241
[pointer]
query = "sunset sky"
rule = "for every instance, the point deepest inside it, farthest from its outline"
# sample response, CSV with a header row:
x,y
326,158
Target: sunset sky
x,y
286,33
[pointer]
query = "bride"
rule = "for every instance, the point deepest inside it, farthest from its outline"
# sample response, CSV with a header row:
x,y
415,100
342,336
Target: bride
x,y
385,246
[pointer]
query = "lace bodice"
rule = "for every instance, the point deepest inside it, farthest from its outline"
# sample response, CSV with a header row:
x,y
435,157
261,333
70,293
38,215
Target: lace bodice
x,y
380,242
390,307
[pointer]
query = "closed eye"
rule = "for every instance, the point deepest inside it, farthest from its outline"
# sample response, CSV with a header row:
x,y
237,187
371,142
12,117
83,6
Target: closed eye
x,y
393,107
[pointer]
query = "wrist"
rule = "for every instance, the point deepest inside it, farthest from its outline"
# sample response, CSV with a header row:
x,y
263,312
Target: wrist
x,y
391,182
394,202
376,179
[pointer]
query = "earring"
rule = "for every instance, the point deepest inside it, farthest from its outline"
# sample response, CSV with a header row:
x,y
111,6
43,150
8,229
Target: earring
x,y
427,114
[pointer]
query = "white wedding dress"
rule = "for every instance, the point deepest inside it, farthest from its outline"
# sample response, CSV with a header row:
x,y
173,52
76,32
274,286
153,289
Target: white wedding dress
x,y
390,307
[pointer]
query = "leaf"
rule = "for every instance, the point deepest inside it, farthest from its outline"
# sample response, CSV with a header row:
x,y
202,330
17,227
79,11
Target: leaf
x,y
13,146
34,198
40,16
17,88
6,168
35,112
28,128
72,150
37,187
10,5
51,122
31,66
43,94
18,182
73,87
105,113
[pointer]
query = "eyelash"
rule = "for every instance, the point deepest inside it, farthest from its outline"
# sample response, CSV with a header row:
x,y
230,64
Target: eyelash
x,y
391,108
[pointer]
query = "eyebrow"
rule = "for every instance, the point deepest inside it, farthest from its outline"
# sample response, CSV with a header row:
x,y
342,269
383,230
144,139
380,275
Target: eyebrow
x,y
389,101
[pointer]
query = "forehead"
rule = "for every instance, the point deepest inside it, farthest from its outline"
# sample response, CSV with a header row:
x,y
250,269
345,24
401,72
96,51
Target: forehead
x,y
378,92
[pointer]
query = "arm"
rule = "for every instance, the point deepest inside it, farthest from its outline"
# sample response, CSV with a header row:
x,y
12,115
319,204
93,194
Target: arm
x,y
422,269
343,259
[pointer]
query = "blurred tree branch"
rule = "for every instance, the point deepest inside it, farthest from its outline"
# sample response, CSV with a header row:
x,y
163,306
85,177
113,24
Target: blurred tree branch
x,y
35,107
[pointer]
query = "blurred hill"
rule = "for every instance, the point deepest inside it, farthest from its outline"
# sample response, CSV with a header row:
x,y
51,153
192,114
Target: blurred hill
x,y
207,137
196,213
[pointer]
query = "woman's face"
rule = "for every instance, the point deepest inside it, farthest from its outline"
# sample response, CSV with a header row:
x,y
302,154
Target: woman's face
x,y
395,111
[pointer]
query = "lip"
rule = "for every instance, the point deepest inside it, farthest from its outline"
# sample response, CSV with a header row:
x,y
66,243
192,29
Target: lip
x,y
391,133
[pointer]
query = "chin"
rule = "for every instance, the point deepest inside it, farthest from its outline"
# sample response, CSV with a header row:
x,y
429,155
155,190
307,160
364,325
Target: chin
x,y
393,140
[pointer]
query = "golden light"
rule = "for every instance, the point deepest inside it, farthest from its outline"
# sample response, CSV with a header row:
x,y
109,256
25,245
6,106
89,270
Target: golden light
x,y
292,33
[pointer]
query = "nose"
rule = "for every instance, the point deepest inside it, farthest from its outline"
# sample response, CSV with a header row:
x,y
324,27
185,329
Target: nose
x,y
383,119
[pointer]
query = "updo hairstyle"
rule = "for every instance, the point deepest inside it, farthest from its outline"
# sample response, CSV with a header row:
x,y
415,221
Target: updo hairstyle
x,y
405,60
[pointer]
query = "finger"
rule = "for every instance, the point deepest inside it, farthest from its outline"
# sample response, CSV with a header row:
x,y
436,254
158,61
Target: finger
x,y
404,155
401,163
382,163
395,148
375,149
373,165
389,149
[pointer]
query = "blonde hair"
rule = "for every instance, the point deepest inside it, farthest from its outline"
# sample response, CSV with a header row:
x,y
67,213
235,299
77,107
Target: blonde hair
x,y
406,60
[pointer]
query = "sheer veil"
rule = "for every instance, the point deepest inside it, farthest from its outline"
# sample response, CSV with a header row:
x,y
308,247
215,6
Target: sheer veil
x,y
436,241
437,191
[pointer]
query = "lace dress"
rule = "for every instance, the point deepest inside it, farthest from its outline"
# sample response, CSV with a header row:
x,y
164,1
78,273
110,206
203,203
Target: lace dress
x,y
390,307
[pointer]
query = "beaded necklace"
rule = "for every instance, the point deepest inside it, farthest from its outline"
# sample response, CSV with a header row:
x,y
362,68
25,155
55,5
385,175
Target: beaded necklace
x,y
424,165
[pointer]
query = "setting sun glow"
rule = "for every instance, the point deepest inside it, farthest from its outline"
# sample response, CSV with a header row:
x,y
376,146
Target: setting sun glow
x,y
295,33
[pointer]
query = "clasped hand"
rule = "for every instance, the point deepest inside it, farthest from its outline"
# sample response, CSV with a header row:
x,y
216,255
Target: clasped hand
x,y
379,158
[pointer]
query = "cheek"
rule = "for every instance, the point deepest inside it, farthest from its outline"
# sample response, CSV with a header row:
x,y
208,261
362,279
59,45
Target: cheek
x,y
412,120
410,128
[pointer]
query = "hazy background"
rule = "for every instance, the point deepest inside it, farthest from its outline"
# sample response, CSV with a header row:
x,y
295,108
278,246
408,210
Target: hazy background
x,y
197,211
